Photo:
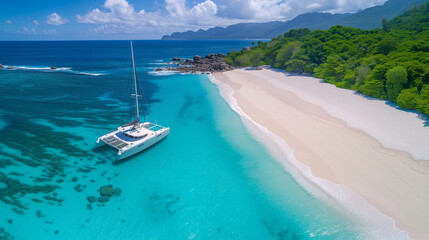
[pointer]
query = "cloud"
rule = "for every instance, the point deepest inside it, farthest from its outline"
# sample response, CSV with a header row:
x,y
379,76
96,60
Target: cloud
x,y
34,21
314,5
119,11
55,19
50,32
29,31
176,8
268,10
179,15
204,9
9,22
120,15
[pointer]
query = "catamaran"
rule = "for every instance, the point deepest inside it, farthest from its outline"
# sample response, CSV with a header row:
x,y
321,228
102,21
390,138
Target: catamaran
x,y
134,136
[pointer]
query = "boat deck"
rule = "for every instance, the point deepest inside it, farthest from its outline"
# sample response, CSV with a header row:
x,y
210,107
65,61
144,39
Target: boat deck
x,y
114,142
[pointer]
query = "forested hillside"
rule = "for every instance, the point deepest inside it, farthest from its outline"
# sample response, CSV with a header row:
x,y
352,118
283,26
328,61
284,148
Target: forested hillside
x,y
390,63
369,18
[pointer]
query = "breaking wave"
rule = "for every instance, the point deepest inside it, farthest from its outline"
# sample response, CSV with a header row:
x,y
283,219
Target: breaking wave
x,y
48,69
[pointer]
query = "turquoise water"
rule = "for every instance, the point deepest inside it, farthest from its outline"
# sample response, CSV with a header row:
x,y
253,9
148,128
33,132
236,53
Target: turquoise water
x,y
210,179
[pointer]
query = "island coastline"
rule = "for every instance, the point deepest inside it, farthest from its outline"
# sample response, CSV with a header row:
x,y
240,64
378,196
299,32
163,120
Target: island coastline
x,y
256,95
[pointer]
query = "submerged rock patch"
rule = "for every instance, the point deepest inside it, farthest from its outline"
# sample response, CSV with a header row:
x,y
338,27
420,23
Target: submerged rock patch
x,y
5,235
78,188
91,199
109,191
106,192
15,190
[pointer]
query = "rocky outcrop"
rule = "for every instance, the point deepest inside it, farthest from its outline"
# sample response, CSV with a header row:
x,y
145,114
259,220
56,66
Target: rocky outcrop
x,y
53,68
1,66
177,59
211,63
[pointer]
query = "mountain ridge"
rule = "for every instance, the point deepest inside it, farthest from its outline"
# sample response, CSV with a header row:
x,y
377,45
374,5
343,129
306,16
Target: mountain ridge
x,y
369,18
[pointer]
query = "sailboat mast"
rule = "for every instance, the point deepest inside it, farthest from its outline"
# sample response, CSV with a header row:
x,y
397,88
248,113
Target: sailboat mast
x,y
135,83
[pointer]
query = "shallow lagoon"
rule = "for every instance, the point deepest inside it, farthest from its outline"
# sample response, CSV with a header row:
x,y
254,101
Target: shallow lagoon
x,y
210,179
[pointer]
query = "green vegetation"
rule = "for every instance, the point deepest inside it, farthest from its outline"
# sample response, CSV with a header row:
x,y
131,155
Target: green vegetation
x,y
390,63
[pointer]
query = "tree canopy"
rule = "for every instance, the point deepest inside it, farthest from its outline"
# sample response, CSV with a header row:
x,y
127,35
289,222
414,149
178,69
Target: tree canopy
x,y
390,63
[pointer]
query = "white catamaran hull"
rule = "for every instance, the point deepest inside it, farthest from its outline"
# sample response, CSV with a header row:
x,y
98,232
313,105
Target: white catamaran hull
x,y
127,146
142,146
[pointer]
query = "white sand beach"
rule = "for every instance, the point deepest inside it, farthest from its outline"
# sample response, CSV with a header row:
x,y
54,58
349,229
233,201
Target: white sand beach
x,y
348,140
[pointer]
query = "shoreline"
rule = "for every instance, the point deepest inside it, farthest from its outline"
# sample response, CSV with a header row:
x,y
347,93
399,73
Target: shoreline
x,y
325,168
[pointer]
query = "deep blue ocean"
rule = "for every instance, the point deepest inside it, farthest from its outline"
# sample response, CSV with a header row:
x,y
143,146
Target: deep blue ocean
x,y
209,179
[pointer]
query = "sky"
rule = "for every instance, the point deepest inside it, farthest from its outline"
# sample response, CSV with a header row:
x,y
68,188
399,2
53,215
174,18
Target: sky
x,y
148,19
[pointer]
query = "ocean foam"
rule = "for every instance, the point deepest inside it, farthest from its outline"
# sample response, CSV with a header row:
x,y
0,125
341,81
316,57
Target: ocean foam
x,y
162,73
379,226
48,69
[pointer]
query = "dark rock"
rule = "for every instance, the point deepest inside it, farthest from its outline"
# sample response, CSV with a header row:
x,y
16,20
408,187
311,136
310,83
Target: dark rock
x,y
59,181
57,231
91,199
1,66
158,69
108,190
210,56
85,169
50,198
221,55
89,206
18,211
177,59
36,200
53,68
78,188
10,221
15,173
103,199
210,63
5,235
39,213
42,179
74,179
